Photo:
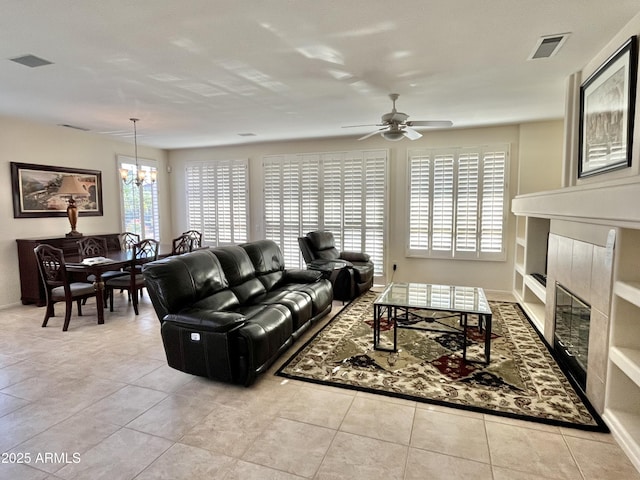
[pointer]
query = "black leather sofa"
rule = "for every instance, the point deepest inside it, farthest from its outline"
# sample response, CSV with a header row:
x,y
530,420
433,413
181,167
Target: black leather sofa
x,y
228,313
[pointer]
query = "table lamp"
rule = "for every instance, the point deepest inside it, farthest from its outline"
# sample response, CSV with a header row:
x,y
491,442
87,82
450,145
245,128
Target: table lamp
x,y
71,186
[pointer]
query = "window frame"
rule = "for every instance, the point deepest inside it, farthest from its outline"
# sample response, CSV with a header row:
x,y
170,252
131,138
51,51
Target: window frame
x,y
483,152
155,206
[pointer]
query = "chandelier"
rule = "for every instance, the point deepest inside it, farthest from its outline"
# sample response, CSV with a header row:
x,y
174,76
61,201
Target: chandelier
x,y
141,175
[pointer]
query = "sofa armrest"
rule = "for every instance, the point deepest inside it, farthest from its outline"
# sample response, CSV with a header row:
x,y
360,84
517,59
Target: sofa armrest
x,y
301,276
209,320
354,256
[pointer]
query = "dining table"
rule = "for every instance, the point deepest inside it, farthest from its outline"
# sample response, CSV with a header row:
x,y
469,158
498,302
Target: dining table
x,y
115,260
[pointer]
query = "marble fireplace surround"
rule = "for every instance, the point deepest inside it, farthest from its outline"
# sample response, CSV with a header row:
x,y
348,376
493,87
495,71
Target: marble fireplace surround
x,y
577,259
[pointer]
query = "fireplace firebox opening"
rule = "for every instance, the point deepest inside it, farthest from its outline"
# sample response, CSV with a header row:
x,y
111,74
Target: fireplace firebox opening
x,y
571,338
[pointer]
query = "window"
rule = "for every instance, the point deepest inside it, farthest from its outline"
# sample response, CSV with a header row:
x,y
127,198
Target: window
x,y
140,213
457,203
343,192
218,201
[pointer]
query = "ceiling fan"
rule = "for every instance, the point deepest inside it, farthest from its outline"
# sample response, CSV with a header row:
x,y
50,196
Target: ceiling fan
x,y
395,125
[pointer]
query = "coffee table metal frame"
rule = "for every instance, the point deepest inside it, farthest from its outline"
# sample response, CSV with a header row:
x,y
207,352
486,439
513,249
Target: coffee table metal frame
x,y
399,298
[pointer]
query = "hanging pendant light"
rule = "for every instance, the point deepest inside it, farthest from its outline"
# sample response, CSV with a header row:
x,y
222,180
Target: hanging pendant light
x,y
141,175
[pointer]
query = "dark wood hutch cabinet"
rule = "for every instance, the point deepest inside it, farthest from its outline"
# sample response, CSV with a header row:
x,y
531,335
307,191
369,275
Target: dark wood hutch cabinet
x,y
31,288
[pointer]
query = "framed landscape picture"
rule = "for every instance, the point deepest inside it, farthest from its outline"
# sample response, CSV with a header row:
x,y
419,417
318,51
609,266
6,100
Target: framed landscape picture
x,y
607,101
35,191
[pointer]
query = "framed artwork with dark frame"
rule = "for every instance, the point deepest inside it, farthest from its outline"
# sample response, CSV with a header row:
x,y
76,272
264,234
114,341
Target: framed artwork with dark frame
x,y
35,191
607,106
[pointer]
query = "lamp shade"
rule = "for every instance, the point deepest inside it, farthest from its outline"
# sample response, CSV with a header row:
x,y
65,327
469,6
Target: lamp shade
x,y
71,186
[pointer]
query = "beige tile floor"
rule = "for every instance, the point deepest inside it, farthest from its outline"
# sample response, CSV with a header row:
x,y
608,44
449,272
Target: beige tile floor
x,y
99,402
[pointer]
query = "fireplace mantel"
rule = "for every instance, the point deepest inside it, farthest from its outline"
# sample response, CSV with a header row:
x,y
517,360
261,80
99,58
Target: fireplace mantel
x,y
614,205
569,230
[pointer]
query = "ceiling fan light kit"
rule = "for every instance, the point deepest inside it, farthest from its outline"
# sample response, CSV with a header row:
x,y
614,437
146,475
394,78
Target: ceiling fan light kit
x,y
393,136
395,125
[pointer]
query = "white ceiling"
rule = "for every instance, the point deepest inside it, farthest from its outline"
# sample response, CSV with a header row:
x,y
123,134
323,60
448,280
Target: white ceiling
x,y
201,72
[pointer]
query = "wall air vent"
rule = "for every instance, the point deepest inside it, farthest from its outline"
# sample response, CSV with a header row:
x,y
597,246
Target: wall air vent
x,y
548,46
31,61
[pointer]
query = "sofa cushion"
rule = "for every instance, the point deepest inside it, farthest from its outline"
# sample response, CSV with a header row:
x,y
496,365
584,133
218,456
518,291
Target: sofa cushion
x,y
222,300
240,273
323,244
320,293
298,304
267,261
183,280
264,335
355,256
363,272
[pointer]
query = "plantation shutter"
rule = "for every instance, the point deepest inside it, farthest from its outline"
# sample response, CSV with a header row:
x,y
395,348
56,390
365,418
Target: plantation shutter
x,y
467,203
217,201
291,192
419,201
333,194
493,199
442,214
375,171
457,202
342,192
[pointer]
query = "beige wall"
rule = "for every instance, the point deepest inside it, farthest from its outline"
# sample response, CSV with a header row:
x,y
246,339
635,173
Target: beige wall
x,y
490,275
26,142
540,165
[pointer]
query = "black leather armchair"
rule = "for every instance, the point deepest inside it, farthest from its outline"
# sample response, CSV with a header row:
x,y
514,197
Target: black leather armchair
x,y
351,273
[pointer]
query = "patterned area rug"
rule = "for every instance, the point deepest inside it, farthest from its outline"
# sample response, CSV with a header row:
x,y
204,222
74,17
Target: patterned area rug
x,y
522,381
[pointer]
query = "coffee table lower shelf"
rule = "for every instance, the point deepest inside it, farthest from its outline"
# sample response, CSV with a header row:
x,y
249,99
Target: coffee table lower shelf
x,y
399,316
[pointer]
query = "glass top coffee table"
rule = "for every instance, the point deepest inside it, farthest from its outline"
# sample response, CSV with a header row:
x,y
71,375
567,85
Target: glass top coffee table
x,y
398,299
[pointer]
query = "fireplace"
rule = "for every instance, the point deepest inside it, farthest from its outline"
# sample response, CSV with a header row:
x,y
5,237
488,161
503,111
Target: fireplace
x,y
571,338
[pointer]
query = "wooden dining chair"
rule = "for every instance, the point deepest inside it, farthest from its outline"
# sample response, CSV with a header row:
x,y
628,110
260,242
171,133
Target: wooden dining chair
x,y
180,245
143,252
195,237
89,247
58,286
128,240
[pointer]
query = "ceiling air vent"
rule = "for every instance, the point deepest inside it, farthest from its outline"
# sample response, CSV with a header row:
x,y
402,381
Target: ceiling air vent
x,y
31,61
548,46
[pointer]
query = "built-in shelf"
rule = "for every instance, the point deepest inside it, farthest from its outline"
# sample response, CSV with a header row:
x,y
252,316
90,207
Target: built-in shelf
x,y
630,291
536,287
530,257
622,400
626,428
628,361
535,311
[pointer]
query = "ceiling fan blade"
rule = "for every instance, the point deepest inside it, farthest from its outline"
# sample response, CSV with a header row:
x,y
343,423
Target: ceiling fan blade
x,y
368,125
410,133
372,133
429,123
